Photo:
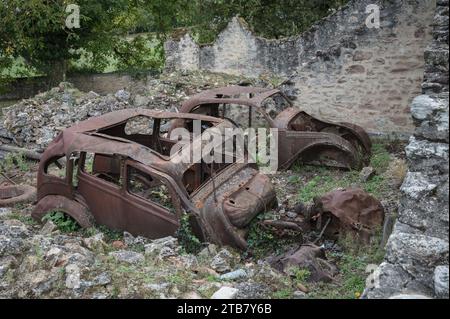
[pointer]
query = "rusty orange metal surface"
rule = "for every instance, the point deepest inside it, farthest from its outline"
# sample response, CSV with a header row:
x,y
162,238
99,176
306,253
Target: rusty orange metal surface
x,y
349,211
112,178
300,135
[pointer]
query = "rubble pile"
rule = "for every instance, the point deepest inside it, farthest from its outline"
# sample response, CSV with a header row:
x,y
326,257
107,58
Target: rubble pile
x,y
34,122
46,264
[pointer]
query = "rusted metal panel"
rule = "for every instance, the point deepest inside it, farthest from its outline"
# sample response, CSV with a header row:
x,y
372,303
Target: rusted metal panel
x,y
351,211
11,195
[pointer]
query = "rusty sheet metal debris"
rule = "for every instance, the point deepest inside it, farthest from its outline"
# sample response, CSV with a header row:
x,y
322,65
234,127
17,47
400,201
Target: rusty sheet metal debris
x,y
300,135
348,211
11,195
130,181
309,257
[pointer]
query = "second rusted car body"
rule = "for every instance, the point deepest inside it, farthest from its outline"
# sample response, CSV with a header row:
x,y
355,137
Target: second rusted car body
x,y
300,135
129,181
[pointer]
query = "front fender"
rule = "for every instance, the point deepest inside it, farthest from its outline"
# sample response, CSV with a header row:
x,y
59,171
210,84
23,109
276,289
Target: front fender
x,y
60,203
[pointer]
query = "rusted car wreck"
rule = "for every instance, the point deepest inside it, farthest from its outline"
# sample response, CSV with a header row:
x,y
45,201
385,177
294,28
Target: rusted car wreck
x,y
300,135
127,180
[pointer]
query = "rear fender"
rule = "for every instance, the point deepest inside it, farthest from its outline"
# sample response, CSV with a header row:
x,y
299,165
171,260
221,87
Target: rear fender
x,y
351,132
343,147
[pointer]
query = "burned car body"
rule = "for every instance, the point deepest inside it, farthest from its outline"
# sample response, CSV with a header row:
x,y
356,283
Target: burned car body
x,y
126,180
300,135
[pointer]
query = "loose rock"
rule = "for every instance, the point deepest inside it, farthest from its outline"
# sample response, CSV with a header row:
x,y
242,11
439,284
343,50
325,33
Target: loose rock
x,y
441,282
366,174
233,275
73,276
225,293
222,261
127,256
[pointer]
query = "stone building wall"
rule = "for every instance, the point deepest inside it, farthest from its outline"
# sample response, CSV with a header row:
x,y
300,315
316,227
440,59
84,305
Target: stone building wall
x,y
339,69
417,252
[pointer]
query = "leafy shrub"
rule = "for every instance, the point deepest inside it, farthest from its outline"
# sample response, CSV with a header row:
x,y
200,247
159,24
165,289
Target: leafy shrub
x,y
188,241
14,160
64,222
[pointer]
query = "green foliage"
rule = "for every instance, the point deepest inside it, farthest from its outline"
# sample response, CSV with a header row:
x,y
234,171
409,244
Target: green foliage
x,y
64,222
272,19
212,278
13,161
294,179
352,264
176,278
285,293
376,185
35,31
259,241
262,241
110,234
140,53
328,179
26,219
188,241
35,40
380,157
324,183
301,275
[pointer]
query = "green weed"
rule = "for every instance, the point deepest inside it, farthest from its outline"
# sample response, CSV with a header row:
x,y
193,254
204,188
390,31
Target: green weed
x,y
187,239
64,222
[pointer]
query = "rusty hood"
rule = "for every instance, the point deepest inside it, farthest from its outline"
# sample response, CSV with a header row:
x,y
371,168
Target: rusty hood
x,y
228,203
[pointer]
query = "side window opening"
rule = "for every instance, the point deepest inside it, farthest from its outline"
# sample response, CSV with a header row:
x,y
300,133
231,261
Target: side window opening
x,y
164,127
275,104
103,166
240,114
303,122
138,129
75,159
56,166
152,189
258,120
141,125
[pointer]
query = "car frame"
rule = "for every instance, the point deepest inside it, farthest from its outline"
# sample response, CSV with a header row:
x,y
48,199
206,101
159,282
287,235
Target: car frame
x,y
300,135
219,208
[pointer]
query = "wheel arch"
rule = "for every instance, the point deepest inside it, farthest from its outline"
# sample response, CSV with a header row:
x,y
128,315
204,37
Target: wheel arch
x,y
74,209
342,146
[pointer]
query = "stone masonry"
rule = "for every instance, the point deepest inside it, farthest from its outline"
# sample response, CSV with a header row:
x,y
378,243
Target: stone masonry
x,y
339,69
416,261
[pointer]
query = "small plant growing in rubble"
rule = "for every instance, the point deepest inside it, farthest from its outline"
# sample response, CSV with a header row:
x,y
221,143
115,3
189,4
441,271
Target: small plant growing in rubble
x,y
301,275
14,160
64,222
380,157
189,242
262,239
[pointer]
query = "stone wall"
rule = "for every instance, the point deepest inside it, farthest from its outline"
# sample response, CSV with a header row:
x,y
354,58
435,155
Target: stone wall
x,y
23,88
102,83
339,69
417,252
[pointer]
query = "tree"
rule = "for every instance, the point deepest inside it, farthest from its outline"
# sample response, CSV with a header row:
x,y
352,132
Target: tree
x,y
268,18
36,30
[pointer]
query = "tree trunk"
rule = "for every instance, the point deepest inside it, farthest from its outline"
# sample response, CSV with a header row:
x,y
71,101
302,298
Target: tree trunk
x,y
57,72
